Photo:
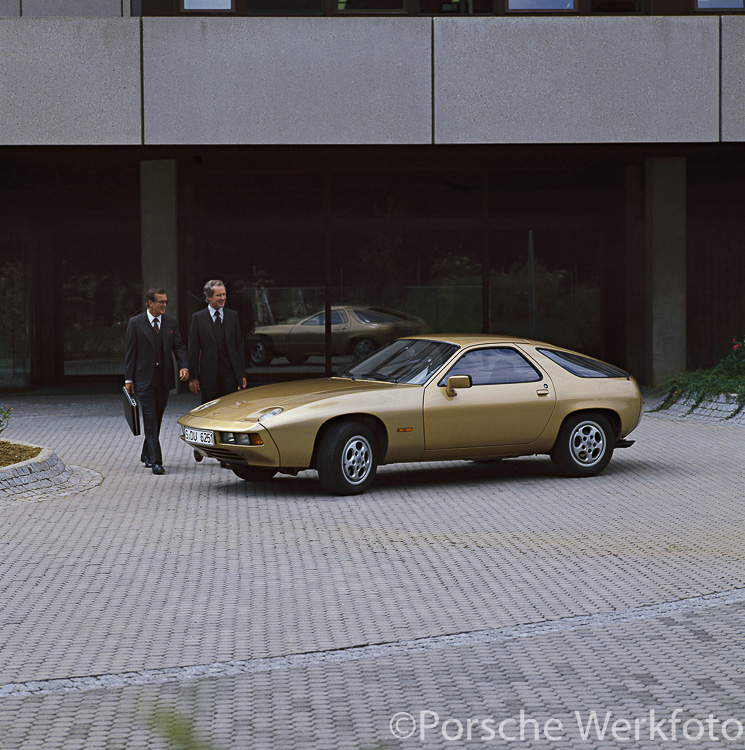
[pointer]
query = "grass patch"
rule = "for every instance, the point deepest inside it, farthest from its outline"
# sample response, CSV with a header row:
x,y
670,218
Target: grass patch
x,y
12,453
726,378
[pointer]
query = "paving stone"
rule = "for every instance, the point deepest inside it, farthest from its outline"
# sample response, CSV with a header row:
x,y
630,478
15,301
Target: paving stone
x,y
124,592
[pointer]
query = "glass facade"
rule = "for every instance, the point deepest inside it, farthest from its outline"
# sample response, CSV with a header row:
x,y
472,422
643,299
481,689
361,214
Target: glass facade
x,y
392,253
393,241
15,285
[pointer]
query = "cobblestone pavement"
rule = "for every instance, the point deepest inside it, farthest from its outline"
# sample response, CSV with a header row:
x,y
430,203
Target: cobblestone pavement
x,y
465,595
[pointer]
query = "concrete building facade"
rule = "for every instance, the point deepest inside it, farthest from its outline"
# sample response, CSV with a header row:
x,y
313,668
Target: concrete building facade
x,y
406,162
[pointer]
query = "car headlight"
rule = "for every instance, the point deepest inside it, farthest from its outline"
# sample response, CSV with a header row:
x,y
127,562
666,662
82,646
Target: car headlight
x,y
270,413
241,438
264,414
205,406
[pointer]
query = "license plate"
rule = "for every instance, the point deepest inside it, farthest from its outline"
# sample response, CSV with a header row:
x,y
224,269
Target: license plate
x,y
200,437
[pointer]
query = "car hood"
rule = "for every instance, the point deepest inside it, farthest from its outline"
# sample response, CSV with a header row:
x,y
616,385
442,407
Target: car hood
x,y
242,404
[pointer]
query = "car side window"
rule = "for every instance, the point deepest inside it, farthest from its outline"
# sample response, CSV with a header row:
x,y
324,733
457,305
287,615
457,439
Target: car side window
x,y
494,366
337,318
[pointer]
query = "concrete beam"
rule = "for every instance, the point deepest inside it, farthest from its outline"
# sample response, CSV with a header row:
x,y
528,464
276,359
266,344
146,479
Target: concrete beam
x,y
733,78
287,80
70,82
71,8
576,80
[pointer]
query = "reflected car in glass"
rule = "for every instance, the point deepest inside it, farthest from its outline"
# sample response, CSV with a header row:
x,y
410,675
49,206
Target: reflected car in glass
x,y
356,330
425,398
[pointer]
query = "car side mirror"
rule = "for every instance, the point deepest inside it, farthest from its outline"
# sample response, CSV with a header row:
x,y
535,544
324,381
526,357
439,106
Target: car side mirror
x,y
455,382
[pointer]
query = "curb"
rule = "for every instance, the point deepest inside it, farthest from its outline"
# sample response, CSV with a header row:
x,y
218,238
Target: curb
x,y
718,409
46,468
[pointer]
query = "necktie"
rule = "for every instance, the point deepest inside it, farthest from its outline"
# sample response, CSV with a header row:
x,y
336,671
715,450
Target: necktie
x,y
218,319
156,327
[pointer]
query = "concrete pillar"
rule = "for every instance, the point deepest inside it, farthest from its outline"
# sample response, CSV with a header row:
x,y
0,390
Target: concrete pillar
x,y
665,268
159,232
635,272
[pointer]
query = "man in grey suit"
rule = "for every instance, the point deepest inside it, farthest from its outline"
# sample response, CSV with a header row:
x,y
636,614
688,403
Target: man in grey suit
x,y
216,360
152,337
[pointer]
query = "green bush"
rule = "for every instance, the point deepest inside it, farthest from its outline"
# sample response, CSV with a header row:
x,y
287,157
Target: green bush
x,y
5,414
727,377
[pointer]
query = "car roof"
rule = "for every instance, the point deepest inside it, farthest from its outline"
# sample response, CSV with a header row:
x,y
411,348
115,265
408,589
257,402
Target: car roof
x,y
468,339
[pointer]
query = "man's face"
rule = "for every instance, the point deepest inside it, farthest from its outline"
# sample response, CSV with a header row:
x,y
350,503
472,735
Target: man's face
x,y
157,306
219,295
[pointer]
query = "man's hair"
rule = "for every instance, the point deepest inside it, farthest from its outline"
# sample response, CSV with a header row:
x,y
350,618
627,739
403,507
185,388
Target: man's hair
x,y
209,287
150,296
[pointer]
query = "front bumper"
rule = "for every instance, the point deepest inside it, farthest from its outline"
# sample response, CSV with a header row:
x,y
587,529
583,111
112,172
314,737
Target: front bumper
x,y
264,455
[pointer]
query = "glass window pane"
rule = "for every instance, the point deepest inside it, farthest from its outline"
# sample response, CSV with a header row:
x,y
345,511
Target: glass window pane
x,y
370,5
284,7
532,5
208,4
496,366
14,354
458,7
720,4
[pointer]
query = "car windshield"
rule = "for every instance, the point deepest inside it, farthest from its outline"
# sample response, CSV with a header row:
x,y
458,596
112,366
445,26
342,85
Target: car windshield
x,y
411,361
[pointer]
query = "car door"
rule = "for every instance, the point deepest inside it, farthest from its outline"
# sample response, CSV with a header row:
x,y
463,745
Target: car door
x,y
309,337
509,403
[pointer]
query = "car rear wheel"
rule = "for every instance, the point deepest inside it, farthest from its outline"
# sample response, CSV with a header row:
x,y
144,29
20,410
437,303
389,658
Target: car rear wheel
x,y
363,347
584,446
252,473
262,353
347,459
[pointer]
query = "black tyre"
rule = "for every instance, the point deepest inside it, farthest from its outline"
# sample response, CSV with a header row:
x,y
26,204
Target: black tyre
x,y
297,359
347,459
262,353
584,446
252,473
362,347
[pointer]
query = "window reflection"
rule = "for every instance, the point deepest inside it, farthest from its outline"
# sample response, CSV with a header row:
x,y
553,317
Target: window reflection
x,y
720,5
208,4
538,5
14,354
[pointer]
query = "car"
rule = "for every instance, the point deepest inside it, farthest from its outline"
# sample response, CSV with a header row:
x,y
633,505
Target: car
x,y
425,398
356,330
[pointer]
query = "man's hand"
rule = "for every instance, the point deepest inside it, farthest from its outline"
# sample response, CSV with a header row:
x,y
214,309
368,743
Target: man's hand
x,y
243,385
183,374
130,388
194,386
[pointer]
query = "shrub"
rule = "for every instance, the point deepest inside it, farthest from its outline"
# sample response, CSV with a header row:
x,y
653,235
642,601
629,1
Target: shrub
x,y
5,414
727,377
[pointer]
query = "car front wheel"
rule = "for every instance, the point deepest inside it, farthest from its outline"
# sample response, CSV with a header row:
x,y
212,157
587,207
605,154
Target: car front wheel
x,y
584,446
262,353
252,473
347,459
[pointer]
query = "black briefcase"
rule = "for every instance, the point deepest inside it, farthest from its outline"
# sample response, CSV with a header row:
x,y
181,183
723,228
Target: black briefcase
x,y
131,411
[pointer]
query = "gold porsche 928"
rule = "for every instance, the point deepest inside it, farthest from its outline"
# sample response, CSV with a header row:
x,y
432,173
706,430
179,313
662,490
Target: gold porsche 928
x,y
425,398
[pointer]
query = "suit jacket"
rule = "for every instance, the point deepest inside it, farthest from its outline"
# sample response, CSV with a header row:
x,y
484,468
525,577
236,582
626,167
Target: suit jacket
x,y
139,357
203,353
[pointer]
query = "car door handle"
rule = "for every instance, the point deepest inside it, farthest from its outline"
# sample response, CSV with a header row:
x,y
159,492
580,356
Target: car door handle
x,y
542,393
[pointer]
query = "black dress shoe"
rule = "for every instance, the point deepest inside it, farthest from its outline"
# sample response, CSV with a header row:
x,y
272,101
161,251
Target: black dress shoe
x,y
158,469
148,463
197,456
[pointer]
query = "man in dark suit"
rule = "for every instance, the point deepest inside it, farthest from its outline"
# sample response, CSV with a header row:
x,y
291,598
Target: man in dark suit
x,y
152,337
216,360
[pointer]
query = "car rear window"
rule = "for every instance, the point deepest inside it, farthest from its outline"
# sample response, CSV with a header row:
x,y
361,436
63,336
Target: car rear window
x,y
367,316
583,367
